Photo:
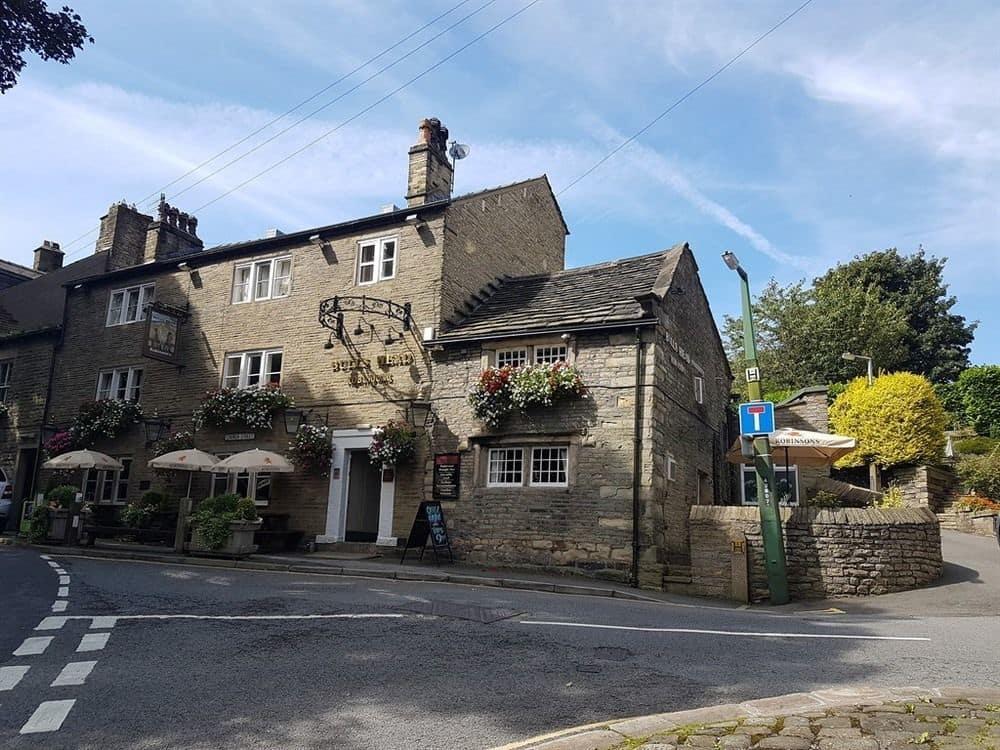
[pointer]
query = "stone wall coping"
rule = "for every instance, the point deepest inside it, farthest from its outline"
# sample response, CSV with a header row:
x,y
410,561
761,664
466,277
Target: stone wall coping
x,y
837,516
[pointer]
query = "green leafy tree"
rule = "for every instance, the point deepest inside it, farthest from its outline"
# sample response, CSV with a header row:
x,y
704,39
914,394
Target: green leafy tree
x,y
978,390
30,25
899,419
891,307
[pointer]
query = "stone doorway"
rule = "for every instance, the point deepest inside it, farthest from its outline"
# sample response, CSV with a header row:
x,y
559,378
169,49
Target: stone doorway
x,y
364,488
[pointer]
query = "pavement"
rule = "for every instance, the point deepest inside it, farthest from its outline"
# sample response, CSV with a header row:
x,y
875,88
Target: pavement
x,y
208,656
846,719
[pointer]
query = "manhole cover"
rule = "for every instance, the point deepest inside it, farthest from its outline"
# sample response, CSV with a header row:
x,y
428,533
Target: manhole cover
x,y
460,611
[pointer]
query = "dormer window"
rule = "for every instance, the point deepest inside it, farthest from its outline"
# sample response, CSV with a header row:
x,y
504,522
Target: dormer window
x,y
262,280
129,305
377,260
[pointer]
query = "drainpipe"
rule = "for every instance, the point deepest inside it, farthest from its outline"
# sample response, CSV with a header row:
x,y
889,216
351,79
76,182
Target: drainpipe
x,y
637,453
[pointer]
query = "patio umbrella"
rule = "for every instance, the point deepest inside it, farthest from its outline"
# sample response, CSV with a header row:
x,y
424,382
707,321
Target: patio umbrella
x,y
83,459
189,459
801,447
254,461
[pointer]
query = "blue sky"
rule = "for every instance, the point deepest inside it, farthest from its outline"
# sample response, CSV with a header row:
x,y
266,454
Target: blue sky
x,y
856,126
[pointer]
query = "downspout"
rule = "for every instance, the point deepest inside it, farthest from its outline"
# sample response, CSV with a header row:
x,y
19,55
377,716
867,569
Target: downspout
x,y
57,344
637,453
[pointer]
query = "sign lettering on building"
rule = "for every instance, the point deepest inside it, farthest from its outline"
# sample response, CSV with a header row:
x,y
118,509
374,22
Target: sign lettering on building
x,y
363,374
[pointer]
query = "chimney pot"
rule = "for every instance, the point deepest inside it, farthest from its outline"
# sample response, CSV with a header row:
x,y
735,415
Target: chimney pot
x,y
48,257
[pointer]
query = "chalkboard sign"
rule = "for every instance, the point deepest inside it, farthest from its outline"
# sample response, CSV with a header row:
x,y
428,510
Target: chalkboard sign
x,y
447,468
429,525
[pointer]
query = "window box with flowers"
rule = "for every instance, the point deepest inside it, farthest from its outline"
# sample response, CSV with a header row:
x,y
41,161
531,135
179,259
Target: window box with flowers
x,y
250,407
312,449
106,418
500,391
392,444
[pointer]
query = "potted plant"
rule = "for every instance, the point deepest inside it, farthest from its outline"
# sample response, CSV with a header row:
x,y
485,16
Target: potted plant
x,y
61,501
224,525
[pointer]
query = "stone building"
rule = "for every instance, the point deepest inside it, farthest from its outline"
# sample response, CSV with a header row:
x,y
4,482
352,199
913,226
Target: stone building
x,y
414,302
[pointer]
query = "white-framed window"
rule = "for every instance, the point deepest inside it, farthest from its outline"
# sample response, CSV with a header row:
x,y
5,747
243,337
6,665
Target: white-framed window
x,y
5,370
512,357
549,466
671,468
262,280
120,384
257,487
129,305
506,467
377,259
785,477
255,369
109,487
699,389
550,354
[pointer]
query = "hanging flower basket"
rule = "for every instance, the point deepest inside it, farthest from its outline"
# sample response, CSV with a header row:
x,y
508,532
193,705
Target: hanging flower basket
x,y
59,443
311,449
499,391
250,407
175,441
392,444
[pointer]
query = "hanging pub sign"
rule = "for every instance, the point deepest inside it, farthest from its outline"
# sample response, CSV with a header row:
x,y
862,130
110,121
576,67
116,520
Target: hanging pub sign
x,y
429,527
162,328
447,469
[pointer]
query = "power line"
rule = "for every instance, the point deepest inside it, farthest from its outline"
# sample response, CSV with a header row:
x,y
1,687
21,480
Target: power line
x,y
683,98
371,106
289,111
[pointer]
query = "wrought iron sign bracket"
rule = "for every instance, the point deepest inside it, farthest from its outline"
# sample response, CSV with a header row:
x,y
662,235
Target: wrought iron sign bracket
x,y
331,311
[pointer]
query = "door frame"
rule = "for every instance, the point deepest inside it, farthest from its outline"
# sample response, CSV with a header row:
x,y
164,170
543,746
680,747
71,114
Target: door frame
x,y
344,441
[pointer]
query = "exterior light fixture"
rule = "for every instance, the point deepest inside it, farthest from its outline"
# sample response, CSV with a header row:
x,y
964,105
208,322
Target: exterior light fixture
x,y
856,357
730,259
155,429
420,414
294,418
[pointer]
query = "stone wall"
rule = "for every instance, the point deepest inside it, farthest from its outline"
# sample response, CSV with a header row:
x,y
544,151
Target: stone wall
x,y
934,487
976,522
841,552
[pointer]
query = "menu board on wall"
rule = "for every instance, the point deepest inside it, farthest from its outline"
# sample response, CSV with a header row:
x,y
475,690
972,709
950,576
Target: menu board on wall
x,y
447,472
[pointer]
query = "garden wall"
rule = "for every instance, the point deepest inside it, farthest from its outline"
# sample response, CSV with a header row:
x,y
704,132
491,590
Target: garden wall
x,y
842,552
975,522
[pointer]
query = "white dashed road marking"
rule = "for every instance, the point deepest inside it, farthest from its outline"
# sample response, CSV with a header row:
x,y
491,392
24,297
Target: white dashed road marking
x,y
74,673
93,642
45,557
61,572
34,645
64,580
48,717
738,633
101,622
60,605
54,564
51,623
63,592
10,676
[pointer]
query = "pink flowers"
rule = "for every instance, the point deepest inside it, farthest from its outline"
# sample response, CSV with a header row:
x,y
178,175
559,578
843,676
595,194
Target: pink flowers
x,y
502,390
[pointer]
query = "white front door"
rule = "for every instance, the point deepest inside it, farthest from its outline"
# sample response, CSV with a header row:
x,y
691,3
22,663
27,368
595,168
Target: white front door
x,y
347,444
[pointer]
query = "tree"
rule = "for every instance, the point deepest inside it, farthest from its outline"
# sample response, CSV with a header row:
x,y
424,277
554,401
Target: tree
x,y
29,24
893,308
978,390
897,420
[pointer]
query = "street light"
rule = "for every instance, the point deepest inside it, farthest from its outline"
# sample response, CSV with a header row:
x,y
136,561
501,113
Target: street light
x,y
873,478
767,498
854,357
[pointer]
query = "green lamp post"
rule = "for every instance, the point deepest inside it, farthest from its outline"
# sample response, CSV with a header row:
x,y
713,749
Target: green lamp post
x,y
767,498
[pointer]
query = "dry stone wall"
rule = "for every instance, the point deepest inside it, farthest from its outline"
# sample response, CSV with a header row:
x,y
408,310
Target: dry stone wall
x,y
844,552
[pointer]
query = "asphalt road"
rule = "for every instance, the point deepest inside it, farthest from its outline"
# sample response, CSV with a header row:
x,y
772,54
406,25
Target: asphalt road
x,y
396,664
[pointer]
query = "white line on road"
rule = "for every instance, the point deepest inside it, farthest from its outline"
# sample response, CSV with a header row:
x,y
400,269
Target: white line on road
x,y
100,622
10,676
45,557
51,623
61,572
738,633
53,564
93,642
48,717
32,646
349,616
63,592
60,605
64,580
74,673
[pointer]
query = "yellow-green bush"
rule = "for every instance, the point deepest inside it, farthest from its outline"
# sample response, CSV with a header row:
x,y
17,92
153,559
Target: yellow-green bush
x,y
899,419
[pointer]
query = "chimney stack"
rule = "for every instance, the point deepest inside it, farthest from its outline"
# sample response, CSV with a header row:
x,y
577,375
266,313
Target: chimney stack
x,y
48,257
431,174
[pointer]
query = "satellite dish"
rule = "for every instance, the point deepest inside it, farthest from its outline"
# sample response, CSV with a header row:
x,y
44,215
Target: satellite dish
x,y
458,150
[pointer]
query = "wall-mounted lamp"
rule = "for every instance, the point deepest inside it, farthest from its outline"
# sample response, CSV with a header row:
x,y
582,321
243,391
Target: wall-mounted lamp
x,y
414,220
420,414
294,419
155,429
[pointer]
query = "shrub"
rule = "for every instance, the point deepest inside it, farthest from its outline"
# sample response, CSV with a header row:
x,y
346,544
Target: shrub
x,y
38,524
977,446
158,501
392,444
214,514
311,449
897,420
978,504
137,515
979,389
252,407
63,496
981,474
892,497
824,499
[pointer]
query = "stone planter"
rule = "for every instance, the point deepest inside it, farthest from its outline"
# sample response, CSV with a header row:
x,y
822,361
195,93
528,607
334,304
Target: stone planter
x,y
60,525
239,544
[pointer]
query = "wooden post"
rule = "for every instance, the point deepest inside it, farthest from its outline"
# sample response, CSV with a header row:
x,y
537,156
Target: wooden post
x,y
183,510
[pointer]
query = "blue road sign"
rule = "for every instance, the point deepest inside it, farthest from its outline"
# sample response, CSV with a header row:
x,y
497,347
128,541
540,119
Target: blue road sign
x,y
757,418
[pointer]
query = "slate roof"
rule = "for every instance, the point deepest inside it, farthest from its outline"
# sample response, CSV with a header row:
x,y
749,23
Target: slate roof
x,y
589,296
37,304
